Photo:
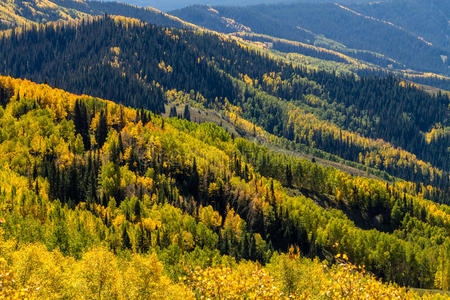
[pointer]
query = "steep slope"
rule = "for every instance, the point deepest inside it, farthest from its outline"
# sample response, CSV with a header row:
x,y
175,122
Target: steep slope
x,y
133,182
139,64
334,26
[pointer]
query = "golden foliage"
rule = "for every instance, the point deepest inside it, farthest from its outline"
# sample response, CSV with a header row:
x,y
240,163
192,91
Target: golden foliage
x,y
246,281
35,273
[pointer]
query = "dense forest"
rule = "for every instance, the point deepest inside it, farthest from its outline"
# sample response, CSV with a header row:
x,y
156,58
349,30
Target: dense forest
x,y
147,162
153,207
412,20
383,123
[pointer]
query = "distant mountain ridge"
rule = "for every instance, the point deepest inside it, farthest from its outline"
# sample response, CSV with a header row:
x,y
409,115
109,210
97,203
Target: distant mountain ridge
x,y
167,5
345,28
430,19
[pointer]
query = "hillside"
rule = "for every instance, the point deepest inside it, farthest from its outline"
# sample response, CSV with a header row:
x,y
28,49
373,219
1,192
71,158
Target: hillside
x,y
341,115
120,194
337,27
150,158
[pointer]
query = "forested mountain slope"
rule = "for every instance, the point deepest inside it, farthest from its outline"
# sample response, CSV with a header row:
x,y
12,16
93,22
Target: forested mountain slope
x,y
336,26
15,13
109,185
18,12
322,58
138,64
36,11
306,177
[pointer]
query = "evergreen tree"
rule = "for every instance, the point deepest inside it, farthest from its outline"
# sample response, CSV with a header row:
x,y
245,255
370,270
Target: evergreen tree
x,y
126,241
81,122
137,210
120,145
194,180
187,113
288,175
173,112
5,95
102,130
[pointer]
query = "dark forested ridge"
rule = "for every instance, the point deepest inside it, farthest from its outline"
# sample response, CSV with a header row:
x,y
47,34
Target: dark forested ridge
x,y
136,64
18,13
